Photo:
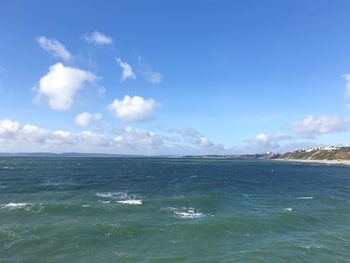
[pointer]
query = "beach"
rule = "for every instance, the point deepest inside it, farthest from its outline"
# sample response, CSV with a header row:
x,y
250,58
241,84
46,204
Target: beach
x,y
346,162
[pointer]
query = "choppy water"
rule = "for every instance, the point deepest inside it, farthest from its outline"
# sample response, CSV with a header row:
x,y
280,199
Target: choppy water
x,y
172,210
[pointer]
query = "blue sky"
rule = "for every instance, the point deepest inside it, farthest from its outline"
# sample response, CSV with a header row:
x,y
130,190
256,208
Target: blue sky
x,y
173,77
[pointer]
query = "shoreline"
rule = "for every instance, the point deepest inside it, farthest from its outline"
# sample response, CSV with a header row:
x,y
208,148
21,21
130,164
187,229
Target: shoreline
x,y
346,162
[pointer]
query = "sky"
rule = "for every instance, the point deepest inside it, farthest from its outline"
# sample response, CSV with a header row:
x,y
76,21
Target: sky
x,y
174,77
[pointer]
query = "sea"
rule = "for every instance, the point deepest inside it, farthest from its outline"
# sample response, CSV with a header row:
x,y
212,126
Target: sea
x,y
172,210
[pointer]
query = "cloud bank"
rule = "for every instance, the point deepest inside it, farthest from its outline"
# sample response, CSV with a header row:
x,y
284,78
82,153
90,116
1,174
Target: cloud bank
x,y
15,137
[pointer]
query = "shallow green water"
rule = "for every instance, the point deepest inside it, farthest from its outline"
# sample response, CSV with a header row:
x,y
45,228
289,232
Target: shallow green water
x,y
172,210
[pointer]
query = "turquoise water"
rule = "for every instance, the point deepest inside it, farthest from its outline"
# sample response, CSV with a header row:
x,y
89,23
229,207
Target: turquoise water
x,y
172,210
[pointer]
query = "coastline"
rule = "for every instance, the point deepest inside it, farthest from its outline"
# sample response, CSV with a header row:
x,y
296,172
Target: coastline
x,y
346,162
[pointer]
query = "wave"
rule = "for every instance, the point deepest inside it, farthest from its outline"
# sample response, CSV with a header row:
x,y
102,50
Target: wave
x,y
131,202
288,209
16,205
186,213
121,198
8,167
305,197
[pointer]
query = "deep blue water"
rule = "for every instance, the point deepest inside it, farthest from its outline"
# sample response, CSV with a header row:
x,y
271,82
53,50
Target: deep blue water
x,y
172,210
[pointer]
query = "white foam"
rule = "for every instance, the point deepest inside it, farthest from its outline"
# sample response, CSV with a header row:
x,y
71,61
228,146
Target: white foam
x,y
305,197
288,209
105,195
120,197
186,213
16,205
131,202
85,205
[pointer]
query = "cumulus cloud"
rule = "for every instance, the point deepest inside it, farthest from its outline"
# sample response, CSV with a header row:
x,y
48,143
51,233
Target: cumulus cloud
x,y
262,143
133,109
54,47
267,143
321,125
84,119
98,38
127,72
61,84
8,128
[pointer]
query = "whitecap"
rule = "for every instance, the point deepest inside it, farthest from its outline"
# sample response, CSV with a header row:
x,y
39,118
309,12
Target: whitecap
x,y
16,205
85,205
120,197
288,209
305,197
105,195
131,202
186,213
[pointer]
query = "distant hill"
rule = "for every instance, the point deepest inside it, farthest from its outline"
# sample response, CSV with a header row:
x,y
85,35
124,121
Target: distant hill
x,y
320,153
71,154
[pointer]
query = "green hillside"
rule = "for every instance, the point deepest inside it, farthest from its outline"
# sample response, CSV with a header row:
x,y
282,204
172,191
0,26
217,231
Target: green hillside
x,y
342,153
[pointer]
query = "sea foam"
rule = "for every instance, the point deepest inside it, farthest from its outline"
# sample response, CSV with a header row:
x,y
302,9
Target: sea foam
x,y
305,197
15,205
186,213
121,198
131,202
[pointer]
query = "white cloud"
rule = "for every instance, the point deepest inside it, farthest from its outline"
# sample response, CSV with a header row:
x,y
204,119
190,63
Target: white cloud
x,y
8,127
267,143
133,109
153,77
321,125
98,38
84,119
28,138
2,74
150,75
61,84
132,138
347,91
262,143
54,47
197,143
127,70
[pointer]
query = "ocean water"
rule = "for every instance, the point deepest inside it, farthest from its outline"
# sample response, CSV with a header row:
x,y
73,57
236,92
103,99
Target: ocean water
x,y
172,210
